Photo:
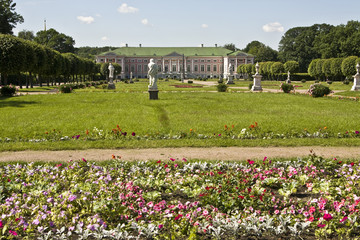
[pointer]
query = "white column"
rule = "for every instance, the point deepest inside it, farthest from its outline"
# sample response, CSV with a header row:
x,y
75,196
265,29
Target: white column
x,y
178,66
170,65
163,65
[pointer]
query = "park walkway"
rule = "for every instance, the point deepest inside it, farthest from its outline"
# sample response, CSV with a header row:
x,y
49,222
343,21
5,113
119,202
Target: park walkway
x,y
212,153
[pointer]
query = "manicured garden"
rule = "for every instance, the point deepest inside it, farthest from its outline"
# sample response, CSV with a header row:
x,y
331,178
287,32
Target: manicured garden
x,y
128,119
176,199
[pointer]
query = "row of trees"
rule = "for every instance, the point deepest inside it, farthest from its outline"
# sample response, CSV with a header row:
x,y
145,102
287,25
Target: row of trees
x,y
333,68
303,44
23,56
270,70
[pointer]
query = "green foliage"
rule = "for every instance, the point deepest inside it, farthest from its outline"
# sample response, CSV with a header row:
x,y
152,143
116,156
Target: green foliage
x,y
312,68
221,87
291,66
55,40
348,66
65,88
286,87
8,90
261,52
277,68
26,35
8,17
335,67
319,90
230,46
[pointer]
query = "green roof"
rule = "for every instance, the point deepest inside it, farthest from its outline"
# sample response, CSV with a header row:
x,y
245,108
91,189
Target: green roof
x,y
171,51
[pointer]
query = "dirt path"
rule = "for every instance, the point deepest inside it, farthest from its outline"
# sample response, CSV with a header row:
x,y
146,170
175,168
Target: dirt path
x,y
216,153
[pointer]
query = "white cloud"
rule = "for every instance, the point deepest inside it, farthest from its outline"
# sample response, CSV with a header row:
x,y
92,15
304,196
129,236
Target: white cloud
x,y
273,27
86,20
104,38
124,8
145,21
204,25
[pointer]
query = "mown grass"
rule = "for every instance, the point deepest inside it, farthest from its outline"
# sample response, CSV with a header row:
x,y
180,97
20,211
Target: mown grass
x,y
204,112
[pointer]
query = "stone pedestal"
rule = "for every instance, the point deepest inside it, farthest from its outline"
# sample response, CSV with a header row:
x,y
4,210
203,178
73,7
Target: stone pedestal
x,y
230,79
288,79
111,86
153,94
257,80
356,85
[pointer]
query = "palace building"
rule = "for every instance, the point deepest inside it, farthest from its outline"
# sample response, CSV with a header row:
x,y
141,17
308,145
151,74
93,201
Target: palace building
x,y
210,62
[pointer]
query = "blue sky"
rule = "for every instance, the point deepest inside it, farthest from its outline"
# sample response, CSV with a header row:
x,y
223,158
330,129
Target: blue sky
x,y
156,23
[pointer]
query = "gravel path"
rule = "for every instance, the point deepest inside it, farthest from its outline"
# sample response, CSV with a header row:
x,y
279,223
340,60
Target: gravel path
x,y
214,153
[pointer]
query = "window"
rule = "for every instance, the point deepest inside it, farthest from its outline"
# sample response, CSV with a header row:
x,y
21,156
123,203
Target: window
x,y
208,60
188,68
195,60
221,68
132,60
202,68
196,68
208,68
139,68
119,60
126,68
232,60
215,60
181,67
145,61
166,68
214,68
159,68
202,60
139,60
102,60
132,68
173,68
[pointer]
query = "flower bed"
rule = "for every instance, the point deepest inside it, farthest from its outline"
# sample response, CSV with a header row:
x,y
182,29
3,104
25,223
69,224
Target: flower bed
x,y
186,86
177,199
254,131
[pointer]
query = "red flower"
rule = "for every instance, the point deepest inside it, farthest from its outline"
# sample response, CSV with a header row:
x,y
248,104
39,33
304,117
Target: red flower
x,y
327,217
321,225
352,164
344,219
84,160
133,134
172,159
165,166
59,165
340,162
242,197
178,216
13,233
250,161
158,161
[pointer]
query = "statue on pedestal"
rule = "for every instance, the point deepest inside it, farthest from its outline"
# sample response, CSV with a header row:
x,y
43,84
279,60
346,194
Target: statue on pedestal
x,y
111,84
257,80
152,74
230,75
356,85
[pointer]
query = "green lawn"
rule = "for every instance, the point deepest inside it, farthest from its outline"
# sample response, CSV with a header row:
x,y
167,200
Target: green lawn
x,y
31,116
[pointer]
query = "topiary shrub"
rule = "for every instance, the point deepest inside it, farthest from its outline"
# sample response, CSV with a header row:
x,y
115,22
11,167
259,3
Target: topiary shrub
x,y
66,88
190,81
329,82
8,90
286,87
318,90
346,82
303,80
221,87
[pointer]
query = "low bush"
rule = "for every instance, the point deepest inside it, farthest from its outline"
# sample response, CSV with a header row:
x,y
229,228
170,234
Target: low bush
x,y
190,81
66,88
8,90
250,86
221,87
346,82
286,87
329,82
220,81
319,90
303,80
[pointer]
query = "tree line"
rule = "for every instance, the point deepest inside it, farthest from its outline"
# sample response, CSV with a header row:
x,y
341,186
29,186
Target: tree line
x,y
43,64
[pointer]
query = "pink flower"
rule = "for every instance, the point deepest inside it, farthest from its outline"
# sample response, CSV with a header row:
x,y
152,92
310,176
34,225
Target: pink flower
x,y
1,224
172,159
84,160
13,233
178,217
161,226
205,212
311,219
321,225
184,159
344,219
327,217
250,161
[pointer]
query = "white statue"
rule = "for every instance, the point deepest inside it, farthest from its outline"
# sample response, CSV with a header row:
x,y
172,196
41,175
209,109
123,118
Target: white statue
x,y
152,73
111,72
230,70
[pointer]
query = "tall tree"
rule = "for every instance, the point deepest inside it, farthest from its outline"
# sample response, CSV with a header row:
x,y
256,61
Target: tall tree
x,y
8,17
261,52
297,44
230,46
55,40
27,35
